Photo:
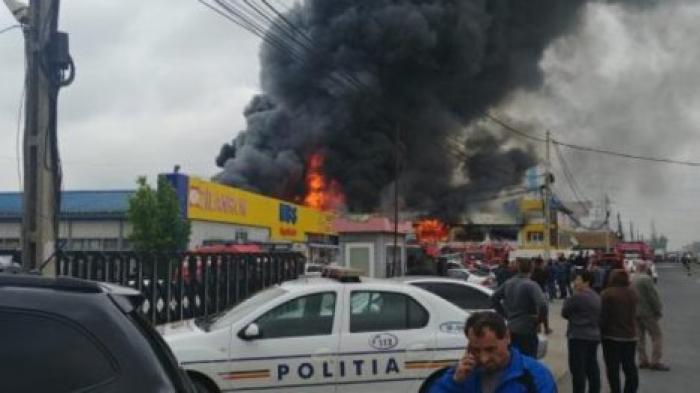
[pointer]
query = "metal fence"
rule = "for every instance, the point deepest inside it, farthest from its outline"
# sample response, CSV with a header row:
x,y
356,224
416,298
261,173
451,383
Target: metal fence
x,y
184,285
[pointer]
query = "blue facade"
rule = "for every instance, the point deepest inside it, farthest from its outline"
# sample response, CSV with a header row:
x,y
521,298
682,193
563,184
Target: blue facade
x,y
181,183
84,204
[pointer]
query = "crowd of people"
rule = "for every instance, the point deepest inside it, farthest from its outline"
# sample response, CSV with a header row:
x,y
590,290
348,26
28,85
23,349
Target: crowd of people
x,y
603,304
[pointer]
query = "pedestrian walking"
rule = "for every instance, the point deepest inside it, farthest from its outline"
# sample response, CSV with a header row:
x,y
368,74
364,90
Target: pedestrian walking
x,y
582,310
562,277
599,274
687,260
502,273
540,276
490,365
649,314
525,307
551,280
619,332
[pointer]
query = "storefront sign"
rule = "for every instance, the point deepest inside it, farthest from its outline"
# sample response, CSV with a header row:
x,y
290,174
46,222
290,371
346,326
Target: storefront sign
x,y
209,201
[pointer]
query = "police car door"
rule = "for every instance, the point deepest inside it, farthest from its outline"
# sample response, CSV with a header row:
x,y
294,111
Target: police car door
x,y
295,349
385,338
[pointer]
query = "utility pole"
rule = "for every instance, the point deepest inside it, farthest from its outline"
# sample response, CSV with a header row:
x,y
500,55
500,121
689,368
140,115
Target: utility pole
x,y
49,67
632,238
607,223
620,231
546,201
397,254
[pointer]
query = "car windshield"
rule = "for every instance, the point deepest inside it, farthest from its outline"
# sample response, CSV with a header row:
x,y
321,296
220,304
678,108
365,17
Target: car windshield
x,y
237,312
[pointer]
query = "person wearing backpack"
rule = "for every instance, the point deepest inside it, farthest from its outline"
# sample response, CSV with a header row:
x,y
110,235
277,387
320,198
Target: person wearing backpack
x,y
491,365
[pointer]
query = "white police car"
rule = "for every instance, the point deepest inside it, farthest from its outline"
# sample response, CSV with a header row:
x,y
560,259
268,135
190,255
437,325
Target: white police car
x,y
324,335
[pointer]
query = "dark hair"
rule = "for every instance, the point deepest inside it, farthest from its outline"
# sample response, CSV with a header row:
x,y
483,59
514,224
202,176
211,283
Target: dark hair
x,y
619,278
480,321
524,265
586,276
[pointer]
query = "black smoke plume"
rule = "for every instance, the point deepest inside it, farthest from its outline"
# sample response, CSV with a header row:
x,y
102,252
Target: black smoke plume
x,y
394,78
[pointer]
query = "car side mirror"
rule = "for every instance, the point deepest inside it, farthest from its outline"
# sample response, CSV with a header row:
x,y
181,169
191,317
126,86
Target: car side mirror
x,y
251,332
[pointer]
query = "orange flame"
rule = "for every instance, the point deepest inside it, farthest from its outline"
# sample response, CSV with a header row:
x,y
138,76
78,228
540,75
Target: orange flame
x,y
431,231
321,193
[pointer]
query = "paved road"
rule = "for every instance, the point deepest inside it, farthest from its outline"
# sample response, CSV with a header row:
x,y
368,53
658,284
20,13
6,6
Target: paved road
x,y
681,327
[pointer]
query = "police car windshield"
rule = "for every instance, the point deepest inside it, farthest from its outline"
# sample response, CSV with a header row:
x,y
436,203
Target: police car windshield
x,y
237,312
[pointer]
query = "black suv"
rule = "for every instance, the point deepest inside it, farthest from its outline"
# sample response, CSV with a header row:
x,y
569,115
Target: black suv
x,y
67,335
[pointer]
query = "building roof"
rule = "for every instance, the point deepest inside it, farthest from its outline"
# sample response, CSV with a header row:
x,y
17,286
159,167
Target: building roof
x,y
368,224
85,204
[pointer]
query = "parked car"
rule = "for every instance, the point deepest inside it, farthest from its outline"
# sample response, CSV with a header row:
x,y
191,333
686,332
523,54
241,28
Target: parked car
x,y
468,296
474,276
68,335
316,334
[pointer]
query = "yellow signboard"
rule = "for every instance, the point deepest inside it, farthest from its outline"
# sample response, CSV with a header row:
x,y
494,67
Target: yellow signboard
x,y
209,201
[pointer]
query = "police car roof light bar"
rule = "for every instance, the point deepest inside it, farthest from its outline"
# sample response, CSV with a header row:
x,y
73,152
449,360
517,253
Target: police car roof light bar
x,y
342,274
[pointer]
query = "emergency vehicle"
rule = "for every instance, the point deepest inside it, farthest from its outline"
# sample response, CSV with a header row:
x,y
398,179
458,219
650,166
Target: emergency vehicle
x,y
324,334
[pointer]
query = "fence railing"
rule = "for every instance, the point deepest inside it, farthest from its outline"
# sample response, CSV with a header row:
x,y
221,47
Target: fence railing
x,y
184,285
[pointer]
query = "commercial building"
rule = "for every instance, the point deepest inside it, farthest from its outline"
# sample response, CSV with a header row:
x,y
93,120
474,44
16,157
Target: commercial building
x,y
221,214
88,221
96,220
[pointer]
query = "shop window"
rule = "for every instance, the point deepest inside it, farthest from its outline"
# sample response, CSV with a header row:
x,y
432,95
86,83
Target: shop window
x,y
535,237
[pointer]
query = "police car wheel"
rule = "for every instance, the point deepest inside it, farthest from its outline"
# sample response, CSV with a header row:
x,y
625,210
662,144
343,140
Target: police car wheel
x,y
201,386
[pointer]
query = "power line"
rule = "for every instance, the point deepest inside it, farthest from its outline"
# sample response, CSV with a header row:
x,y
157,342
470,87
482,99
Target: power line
x,y
578,195
591,149
515,130
626,155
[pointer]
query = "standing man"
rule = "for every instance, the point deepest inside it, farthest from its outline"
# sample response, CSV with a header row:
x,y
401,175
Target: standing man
x,y
525,308
618,329
540,276
551,280
582,310
686,263
562,278
490,366
649,312
502,273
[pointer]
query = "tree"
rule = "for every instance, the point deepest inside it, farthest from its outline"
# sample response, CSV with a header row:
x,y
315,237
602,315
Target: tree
x,y
157,224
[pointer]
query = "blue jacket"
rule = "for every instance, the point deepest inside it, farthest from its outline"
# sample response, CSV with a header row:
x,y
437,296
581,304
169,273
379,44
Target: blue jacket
x,y
511,380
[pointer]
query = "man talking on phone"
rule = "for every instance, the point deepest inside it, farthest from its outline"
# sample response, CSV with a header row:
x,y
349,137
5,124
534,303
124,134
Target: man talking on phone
x,y
491,365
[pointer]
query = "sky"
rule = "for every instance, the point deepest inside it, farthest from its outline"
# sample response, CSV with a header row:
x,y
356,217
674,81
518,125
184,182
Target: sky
x,y
159,83
164,82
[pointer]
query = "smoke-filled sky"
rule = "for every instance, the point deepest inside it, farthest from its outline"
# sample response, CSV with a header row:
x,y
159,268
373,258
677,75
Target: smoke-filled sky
x,y
164,82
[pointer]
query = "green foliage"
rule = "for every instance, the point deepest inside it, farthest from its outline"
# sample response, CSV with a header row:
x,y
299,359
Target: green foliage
x,y
155,218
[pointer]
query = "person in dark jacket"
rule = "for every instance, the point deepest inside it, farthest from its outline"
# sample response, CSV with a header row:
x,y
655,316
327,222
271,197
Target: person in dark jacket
x,y
540,276
582,310
551,280
619,331
502,273
563,277
490,366
525,308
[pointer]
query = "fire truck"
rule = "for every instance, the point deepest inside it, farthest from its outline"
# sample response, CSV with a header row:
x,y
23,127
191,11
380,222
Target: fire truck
x,y
489,254
631,252
635,250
